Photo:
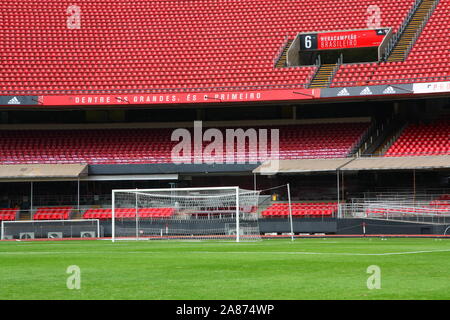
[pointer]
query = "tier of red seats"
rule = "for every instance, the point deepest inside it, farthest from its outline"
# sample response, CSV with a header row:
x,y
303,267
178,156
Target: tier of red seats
x,y
428,60
8,214
53,213
128,213
115,146
422,140
300,209
158,45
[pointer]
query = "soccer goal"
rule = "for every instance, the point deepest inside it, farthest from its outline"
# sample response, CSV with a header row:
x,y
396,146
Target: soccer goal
x,y
220,213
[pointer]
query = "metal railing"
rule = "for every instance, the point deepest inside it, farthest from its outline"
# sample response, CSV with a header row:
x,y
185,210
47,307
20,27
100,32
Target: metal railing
x,y
301,85
370,136
393,139
340,61
155,91
280,51
399,194
414,212
393,41
420,29
391,81
312,75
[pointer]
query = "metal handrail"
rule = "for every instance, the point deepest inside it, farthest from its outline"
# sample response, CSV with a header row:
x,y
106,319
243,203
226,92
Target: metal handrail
x,y
393,139
420,29
212,89
336,69
310,78
372,133
393,41
280,51
390,81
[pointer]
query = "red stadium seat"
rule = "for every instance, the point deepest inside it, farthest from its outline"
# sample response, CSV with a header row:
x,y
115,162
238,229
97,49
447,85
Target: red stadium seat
x,y
116,146
422,140
220,52
53,213
300,209
8,214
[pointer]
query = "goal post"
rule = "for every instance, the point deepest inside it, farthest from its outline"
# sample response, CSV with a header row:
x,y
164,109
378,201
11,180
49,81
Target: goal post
x,y
222,213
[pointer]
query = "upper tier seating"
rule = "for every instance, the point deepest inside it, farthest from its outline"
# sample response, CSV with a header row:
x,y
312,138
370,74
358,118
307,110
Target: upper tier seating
x,y
53,213
115,146
428,60
8,214
301,209
422,140
177,45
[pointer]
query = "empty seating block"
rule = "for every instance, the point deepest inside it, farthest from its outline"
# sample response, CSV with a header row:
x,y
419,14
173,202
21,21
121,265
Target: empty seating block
x,y
301,210
53,213
128,213
116,146
123,45
422,140
8,214
101,214
156,212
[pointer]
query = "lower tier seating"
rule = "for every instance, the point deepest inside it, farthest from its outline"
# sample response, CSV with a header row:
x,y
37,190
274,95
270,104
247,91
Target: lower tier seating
x,y
300,209
119,146
128,213
8,214
53,213
422,140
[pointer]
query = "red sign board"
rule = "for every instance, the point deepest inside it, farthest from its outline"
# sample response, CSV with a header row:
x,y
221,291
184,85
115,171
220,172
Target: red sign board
x,y
180,98
342,39
350,39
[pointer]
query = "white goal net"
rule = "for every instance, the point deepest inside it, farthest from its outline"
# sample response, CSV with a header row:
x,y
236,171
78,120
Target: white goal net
x,y
222,213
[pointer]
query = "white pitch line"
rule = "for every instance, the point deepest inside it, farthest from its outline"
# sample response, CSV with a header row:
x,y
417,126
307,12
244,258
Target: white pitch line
x,y
328,253
226,252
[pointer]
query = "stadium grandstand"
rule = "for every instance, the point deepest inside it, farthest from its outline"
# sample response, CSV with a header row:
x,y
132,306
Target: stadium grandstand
x,y
351,98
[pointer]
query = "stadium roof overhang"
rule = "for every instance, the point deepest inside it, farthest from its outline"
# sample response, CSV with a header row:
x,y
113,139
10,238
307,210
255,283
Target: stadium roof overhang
x,y
69,172
271,167
42,172
398,163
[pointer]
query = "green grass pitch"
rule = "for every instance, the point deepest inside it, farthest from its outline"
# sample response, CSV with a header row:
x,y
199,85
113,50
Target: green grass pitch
x,y
269,269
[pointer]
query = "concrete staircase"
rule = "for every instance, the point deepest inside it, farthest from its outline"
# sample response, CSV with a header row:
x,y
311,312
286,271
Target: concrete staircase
x,y
323,76
282,61
409,34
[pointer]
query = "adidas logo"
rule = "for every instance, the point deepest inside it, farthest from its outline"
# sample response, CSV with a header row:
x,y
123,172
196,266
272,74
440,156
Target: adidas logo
x,y
14,101
343,92
389,90
366,91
